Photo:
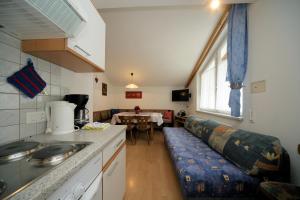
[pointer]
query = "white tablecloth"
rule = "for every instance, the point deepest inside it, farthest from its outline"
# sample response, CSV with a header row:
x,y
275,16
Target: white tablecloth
x,y
155,117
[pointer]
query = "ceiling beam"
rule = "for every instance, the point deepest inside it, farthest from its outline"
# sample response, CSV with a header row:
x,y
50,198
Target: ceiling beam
x,y
211,41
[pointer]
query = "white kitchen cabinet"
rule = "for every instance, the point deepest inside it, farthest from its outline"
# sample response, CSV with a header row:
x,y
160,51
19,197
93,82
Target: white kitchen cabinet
x,y
94,192
85,52
90,41
114,178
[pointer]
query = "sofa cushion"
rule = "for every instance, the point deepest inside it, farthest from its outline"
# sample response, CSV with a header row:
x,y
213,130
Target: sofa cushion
x,y
114,111
254,153
167,115
194,125
218,137
204,173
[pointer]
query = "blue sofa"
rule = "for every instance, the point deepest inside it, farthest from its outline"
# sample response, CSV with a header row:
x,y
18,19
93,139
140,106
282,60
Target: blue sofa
x,y
215,161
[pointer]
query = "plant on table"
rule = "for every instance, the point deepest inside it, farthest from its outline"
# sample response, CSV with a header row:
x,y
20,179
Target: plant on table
x,y
137,109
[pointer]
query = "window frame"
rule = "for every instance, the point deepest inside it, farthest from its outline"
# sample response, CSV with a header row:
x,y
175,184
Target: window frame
x,y
216,57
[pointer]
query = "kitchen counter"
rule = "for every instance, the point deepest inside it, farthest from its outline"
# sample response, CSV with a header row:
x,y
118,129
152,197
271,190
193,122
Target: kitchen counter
x,y
44,186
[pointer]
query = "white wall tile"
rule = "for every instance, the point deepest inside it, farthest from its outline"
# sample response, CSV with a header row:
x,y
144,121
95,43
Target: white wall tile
x,y
23,115
55,90
9,53
44,75
55,74
9,133
41,101
27,103
41,127
55,79
9,101
43,65
56,98
55,70
6,87
64,91
8,68
14,104
27,130
9,117
9,40
25,56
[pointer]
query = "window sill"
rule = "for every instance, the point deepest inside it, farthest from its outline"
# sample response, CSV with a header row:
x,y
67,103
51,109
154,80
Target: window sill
x,y
220,115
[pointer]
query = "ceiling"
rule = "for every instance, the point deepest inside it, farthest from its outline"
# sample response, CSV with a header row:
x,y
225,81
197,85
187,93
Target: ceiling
x,y
106,4
159,44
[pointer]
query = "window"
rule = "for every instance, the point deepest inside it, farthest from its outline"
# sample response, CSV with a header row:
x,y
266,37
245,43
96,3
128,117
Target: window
x,y
214,89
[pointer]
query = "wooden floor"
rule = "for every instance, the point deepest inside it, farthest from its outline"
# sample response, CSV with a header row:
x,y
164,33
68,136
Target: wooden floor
x,y
149,171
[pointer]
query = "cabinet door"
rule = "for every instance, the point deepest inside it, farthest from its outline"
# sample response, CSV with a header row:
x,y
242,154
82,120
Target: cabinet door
x,y
90,41
94,192
114,178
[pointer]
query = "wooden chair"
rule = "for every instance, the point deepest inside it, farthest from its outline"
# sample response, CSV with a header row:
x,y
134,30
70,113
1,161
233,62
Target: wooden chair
x,y
127,120
143,125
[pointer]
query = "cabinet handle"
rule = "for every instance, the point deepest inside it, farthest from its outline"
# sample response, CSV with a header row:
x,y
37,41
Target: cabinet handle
x,y
113,168
82,50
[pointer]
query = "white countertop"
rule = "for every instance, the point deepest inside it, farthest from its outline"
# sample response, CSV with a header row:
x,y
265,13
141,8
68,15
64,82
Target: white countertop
x,y
45,185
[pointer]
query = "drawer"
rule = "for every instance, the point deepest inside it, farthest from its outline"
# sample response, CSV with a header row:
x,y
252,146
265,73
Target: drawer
x,y
77,184
112,147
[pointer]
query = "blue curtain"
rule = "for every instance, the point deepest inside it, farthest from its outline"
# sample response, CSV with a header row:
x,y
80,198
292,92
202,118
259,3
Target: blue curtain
x,y
237,53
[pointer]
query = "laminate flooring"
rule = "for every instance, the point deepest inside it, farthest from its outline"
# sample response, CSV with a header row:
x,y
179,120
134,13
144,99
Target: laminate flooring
x,y
150,174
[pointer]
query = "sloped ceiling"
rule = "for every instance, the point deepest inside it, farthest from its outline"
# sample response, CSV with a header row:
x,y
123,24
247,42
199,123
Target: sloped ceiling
x,y
158,40
104,4
159,45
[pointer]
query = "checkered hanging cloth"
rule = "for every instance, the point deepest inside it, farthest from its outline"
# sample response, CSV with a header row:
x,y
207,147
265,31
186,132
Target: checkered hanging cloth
x,y
27,80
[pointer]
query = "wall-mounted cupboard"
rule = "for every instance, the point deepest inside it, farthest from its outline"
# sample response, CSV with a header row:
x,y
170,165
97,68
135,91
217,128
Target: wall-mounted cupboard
x,y
69,33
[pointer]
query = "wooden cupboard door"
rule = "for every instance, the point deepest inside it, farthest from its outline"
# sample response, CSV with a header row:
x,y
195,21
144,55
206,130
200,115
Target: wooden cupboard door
x,y
90,41
114,178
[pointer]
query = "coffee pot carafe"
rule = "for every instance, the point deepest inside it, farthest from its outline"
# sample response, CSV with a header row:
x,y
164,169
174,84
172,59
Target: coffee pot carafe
x,y
81,113
81,117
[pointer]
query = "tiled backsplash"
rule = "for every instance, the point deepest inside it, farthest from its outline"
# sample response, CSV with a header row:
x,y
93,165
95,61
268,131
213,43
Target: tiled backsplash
x,y
13,104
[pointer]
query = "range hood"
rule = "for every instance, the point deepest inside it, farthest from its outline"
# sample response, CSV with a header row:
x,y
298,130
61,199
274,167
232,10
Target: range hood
x,y
41,19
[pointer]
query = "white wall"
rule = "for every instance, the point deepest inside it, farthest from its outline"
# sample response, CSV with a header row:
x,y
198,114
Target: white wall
x,y
153,98
79,83
103,102
274,47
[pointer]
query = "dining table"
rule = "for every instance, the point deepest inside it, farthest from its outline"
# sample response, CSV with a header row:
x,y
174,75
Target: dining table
x,y
155,118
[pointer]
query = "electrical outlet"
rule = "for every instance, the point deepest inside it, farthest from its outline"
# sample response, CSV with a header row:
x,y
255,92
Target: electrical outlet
x,y
34,117
258,86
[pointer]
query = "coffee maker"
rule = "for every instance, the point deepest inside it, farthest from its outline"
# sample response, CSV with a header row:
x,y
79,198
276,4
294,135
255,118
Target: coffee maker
x,y
81,114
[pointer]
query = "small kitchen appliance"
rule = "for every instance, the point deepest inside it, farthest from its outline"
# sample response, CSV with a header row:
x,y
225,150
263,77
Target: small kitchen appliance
x,y
81,113
60,117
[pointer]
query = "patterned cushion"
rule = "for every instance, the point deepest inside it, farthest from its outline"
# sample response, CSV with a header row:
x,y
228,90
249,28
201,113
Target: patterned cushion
x,y
204,173
114,111
255,154
208,127
193,125
279,190
219,137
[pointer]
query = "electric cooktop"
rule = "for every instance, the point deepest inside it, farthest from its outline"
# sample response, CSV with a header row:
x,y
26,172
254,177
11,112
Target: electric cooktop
x,y
22,162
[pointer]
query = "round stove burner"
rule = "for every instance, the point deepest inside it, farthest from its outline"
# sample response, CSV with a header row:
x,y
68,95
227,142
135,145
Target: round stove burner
x,y
17,150
53,154
3,187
